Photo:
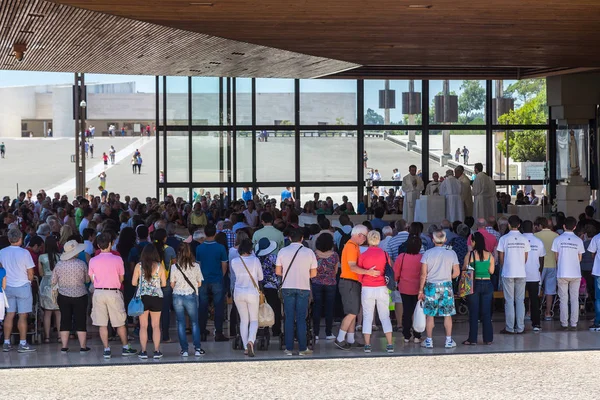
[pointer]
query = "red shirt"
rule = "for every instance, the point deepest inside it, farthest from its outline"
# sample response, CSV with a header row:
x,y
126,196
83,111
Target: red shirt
x,y
490,240
373,257
407,271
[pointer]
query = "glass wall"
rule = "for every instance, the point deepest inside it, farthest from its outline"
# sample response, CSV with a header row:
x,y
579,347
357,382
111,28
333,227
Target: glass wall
x,y
339,142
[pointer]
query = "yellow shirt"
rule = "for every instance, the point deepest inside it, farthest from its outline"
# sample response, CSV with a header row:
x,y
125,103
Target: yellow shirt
x,y
547,237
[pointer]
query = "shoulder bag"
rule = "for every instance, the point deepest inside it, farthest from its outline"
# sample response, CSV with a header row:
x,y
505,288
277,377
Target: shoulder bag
x,y
186,279
390,280
467,277
136,307
286,274
266,315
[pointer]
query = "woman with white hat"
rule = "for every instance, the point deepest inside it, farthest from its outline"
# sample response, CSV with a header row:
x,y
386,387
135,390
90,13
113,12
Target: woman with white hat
x,y
70,276
265,250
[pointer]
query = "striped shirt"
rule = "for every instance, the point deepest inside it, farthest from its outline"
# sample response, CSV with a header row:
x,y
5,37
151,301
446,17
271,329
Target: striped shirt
x,y
394,243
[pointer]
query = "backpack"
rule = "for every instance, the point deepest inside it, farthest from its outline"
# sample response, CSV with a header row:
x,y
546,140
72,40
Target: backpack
x,y
343,240
390,280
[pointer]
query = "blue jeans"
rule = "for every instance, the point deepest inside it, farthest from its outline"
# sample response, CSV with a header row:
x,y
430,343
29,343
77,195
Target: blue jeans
x,y
295,306
480,308
597,301
218,300
165,316
187,304
323,295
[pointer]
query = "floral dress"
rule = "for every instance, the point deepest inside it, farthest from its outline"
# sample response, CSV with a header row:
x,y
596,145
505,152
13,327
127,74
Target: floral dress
x,y
270,280
46,284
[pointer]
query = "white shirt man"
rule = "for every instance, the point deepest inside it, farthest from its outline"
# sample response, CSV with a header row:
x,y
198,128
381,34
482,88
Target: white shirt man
x,y
412,186
433,187
484,192
533,267
568,249
466,195
251,215
513,249
451,188
593,248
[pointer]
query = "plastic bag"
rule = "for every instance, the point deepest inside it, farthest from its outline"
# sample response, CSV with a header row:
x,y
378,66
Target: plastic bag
x,y
419,318
266,316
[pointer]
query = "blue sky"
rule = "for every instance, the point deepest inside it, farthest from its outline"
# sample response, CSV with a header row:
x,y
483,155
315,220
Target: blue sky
x,y
146,84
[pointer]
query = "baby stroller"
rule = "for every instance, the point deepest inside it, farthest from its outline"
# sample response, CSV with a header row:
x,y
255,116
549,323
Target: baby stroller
x,y
263,338
583,297
310,338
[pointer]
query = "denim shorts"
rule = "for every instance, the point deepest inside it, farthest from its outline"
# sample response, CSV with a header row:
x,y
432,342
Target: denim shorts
x,y
439,299
549,281
20,299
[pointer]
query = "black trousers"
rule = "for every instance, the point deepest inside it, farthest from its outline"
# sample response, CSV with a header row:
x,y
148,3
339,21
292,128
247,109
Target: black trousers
x,y
73,313
272,298
533,290
409,302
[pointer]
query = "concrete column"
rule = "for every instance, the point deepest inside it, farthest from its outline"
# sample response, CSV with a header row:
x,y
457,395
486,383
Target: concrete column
x,y
446,151
411,117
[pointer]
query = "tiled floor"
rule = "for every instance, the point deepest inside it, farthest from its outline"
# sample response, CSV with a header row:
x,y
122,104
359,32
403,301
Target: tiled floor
x,y
550,339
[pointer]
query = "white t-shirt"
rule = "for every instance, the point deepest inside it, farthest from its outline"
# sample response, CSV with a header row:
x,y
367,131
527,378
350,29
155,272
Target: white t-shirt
x,y
83,225
569,247
299,275
532,268
439,261
16,261
251,217
593,247
514,246
243,283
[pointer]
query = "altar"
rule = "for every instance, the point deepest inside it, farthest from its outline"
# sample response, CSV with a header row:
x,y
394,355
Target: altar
x,y
430,209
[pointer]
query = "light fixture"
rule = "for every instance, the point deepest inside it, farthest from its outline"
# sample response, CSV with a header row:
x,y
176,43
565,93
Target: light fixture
x,y
420,6
202,4
19,50
83,104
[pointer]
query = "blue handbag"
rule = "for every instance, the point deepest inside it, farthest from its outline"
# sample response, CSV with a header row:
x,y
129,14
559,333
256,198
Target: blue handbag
x,y
136,307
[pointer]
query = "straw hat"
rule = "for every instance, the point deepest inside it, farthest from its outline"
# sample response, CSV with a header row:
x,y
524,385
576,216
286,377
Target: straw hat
x,y
264,247
71,249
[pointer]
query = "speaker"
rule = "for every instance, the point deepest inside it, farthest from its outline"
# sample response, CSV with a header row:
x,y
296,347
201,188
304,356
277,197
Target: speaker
x,y
501,106
411,103
452,116
387,100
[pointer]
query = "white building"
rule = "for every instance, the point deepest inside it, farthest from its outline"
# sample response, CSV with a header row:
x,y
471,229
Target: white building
x,y
32,110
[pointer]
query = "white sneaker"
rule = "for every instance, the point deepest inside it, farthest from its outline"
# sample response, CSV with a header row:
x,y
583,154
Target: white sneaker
x,y
287,352
316,338
406,340
417,340
450,344
184,353
330,337
427,344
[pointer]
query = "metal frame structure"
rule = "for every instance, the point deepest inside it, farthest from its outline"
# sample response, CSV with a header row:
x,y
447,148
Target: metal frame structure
x,y
228,129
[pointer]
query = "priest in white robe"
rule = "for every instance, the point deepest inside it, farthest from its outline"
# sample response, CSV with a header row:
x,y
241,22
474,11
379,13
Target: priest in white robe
x,y
484,191
433,187
412,186
466,194
451,188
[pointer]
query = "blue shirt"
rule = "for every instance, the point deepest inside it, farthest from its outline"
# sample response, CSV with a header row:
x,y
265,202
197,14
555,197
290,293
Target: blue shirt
x,y
286,194
247,196
2,276
135,253
378,223
210,255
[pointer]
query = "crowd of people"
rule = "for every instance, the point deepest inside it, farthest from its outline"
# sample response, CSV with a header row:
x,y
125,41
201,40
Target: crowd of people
x,y
97,257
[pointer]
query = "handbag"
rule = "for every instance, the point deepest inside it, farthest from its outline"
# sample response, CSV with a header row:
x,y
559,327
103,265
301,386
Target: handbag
x,y
465,283
279,291
419,320
390,280
54,294
136,307
261,295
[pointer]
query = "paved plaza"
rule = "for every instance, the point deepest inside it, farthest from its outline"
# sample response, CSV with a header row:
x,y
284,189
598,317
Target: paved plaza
x,y
38,163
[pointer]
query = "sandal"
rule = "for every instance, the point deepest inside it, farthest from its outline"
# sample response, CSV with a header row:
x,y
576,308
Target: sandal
x,y
467,343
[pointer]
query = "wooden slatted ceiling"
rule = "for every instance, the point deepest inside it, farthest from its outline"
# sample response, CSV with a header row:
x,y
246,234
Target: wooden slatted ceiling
x,y
523,33
69,39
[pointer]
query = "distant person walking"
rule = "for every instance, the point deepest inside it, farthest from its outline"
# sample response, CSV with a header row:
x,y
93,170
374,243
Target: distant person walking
x,y
105,158
139,163
134,164
92,150
466,155
86,148
112,152
2,150
457,155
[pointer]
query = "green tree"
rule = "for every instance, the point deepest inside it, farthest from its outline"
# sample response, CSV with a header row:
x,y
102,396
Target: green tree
x,y
527,145
525,89
372,118
471,99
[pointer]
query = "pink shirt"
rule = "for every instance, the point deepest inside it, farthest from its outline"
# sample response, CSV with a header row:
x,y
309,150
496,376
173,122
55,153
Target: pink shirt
x,y
373,257
106,270
407,270
490,241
